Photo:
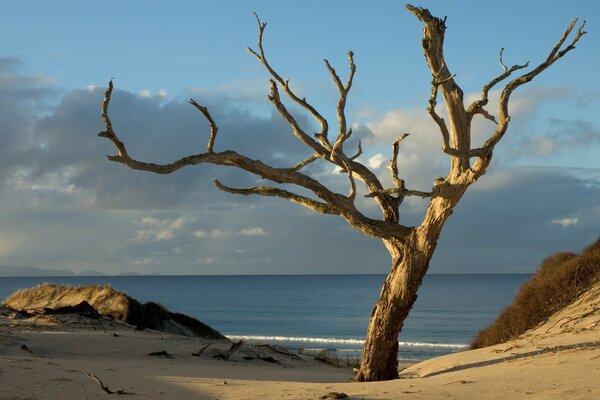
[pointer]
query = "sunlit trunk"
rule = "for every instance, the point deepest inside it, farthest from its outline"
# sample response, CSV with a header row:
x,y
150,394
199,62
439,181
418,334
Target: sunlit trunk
x,y
399,292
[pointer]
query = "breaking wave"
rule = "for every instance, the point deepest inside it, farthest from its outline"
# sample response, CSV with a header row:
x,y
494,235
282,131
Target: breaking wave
x,y
347,342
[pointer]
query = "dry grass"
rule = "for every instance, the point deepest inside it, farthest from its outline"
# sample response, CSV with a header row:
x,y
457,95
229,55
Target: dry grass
x,y
559,281
110,302
104,299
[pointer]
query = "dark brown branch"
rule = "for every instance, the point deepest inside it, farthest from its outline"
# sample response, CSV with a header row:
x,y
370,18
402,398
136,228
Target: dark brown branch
x,y
343,133
401,191
304,163
105,387
477,106
435,84
359,151
234,347
553,56
287,116
352,194
269,191
393,165
260,55
109,132
211,122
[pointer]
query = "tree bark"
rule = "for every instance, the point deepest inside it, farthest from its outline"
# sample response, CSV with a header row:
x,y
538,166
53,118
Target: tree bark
x,y
398,294
410,262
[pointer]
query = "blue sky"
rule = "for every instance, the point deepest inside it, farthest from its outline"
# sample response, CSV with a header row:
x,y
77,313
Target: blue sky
x,y
65,206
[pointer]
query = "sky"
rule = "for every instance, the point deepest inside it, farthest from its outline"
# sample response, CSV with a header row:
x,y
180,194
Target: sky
x,y
64,205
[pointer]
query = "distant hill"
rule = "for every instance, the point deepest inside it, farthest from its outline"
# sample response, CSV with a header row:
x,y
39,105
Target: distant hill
x,y
11,271
33,271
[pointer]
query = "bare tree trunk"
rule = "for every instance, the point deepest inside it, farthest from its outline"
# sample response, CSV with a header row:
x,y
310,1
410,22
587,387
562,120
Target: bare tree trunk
x,y
410,262
380,353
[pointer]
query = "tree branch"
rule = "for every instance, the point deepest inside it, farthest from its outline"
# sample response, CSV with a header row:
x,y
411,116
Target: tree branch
x,y
211,122
268,191
553,56
477,106
260,55
343,133
393,165
304,163
401,191
104,387
109,132
343,204
359,151
287,116
456,135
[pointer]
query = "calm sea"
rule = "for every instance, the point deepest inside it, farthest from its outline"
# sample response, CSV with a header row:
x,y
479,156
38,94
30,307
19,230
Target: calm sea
x,y
313,312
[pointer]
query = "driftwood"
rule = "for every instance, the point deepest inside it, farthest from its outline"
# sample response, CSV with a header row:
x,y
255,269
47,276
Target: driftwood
x,y
25,348
280,350
199,352
84,309
161,353
105,387
225,356
334,395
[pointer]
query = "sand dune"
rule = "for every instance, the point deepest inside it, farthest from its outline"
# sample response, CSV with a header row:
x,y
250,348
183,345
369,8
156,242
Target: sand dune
x,y
110,302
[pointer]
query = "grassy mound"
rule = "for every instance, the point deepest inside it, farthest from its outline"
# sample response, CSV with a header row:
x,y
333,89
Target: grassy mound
x,y
108,301
559,281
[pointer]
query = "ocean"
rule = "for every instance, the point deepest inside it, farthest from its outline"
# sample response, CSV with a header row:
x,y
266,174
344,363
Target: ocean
x,y
315,313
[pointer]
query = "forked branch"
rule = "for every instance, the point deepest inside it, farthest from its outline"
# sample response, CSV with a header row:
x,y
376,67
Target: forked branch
x,y
343,133
260,55
555,54
477,107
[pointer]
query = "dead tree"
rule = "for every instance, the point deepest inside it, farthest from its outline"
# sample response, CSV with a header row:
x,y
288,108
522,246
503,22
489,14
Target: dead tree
x,y
410,247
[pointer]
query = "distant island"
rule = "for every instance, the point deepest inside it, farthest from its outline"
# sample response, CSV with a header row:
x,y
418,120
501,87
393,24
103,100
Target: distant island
x,y
21,271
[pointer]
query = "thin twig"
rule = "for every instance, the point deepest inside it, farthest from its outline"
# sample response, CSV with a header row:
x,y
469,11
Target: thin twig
x,y
105,387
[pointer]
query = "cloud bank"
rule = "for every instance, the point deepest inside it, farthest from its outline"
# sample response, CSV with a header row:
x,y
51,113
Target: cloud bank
x,y
66,206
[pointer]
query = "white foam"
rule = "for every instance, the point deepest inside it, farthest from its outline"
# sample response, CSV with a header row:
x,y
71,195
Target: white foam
x,y
333,341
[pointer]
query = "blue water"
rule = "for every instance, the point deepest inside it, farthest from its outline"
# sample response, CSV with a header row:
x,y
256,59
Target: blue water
x,y
317,311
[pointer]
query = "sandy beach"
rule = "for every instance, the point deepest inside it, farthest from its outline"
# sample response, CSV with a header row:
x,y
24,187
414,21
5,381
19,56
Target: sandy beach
x,y
57,357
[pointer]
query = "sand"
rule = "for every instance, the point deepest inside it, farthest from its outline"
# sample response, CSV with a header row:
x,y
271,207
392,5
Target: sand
x,y
558,360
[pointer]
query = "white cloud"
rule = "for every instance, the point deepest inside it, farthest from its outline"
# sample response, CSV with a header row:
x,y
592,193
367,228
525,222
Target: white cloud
x,y
157,229
215,233
376,161
205,261
253,231
218,233
566,221
146,261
